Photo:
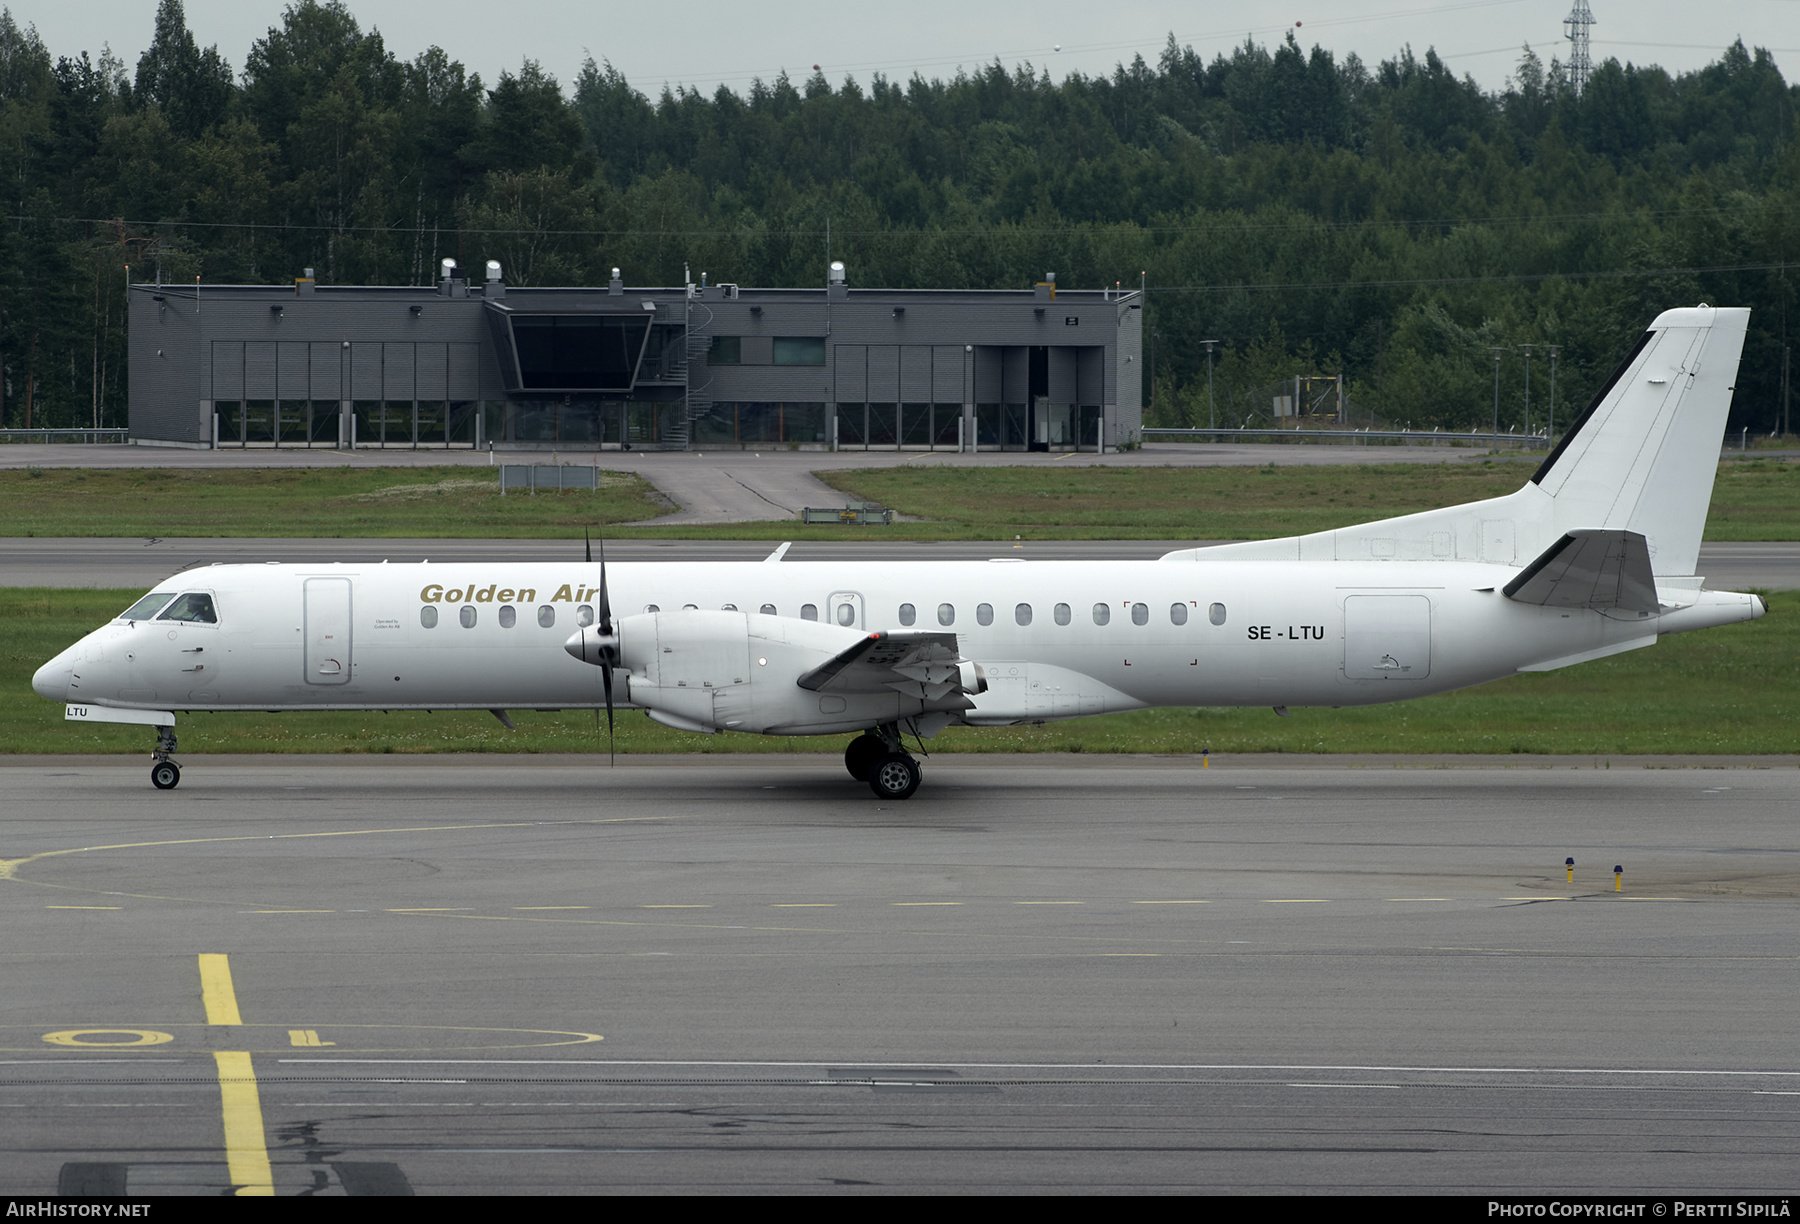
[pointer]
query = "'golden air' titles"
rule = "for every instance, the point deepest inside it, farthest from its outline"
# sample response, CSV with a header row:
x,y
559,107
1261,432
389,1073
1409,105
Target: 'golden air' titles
x,y
492,593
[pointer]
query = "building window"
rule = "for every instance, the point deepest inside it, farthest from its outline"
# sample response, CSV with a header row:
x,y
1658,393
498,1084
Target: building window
x,y
725,350
798,350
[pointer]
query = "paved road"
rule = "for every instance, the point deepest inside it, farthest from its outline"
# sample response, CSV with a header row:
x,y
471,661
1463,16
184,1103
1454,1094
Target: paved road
x,y
725,974
141,563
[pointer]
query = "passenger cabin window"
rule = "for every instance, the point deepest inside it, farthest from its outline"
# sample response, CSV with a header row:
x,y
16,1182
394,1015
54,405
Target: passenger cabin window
x,y
1140,614
194,608
690,607
1062,614
1022,614
768,610
1216,614
467,616
647,608
984,614
147,607
809,612
428,616
908,614
728,607
1178,613
509,616
946,614
1102,613
584,616
547,617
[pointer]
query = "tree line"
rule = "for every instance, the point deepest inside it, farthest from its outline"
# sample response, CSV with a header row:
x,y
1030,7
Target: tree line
x,y
1312,214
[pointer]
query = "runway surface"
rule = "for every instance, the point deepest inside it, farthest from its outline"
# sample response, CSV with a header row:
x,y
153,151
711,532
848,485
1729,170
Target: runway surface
x,y
724,974
142,563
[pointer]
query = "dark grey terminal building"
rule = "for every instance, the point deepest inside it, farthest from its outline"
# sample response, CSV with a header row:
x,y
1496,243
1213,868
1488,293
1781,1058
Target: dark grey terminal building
x,y
476,363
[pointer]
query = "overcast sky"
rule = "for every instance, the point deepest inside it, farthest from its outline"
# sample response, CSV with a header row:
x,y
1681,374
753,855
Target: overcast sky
x,y
705,43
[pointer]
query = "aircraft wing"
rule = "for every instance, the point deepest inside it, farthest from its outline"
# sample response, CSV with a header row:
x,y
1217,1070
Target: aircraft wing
x,y
916,664
1590,568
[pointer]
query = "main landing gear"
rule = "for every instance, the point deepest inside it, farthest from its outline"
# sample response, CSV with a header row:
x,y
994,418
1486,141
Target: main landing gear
x,y
878,758
165,774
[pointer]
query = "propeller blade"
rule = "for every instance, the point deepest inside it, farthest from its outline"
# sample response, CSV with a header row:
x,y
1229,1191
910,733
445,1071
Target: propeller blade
x,y
609,655
606,625
606,682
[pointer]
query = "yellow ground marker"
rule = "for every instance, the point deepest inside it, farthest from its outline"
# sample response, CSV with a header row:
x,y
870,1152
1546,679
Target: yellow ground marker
x,y
246,1146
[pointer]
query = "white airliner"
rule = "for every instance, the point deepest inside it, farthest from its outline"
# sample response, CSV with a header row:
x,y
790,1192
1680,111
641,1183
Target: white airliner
x,y
1593,556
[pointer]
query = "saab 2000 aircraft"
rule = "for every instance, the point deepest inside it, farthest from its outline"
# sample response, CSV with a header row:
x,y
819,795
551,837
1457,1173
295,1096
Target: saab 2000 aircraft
x,y
1593,556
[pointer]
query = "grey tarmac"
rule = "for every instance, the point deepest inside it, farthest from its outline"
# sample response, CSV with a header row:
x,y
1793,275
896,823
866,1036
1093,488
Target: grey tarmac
x,y
745,975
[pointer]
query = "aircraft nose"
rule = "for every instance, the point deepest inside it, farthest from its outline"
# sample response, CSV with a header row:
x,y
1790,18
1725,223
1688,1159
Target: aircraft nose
x,y
52,679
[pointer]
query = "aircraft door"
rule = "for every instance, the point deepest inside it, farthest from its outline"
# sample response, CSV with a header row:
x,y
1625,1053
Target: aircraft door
x,y
327,631
845,610
1387,637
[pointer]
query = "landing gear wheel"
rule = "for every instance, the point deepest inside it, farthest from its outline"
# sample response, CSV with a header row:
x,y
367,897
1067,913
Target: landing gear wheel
x,y
861,755
894,776
165,775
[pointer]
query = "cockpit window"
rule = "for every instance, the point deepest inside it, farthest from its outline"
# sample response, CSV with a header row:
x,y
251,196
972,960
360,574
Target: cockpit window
x,y
147,607
193,607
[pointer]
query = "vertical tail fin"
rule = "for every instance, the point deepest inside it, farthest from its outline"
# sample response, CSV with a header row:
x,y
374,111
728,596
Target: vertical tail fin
x,y
1640,460
1643,456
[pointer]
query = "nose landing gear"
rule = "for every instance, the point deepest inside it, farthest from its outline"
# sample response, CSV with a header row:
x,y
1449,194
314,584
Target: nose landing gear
x,y
165,774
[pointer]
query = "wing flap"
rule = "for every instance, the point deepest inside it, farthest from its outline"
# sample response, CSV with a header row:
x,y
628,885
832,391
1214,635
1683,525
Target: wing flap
x,y
916,664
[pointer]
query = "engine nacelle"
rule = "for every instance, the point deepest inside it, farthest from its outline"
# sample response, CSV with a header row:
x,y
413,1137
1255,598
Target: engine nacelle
x,y
739,671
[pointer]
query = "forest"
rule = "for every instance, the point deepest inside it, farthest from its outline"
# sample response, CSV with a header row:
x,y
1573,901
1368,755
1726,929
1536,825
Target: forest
x,y
1314,215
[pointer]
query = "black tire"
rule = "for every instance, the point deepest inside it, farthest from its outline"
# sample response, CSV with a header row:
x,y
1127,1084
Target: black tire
x,y
165,775
894,776
861,755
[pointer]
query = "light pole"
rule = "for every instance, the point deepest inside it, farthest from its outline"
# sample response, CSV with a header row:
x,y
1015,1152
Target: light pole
x,y
1550,426
1212,415
1527,349
1494,440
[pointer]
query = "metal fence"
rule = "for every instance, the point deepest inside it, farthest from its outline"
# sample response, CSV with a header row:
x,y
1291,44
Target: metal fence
x,y
853,513
1353,437
119,434
535,476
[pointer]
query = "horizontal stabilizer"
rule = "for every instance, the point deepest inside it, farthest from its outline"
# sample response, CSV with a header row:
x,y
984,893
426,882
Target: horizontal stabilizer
x,y
1590,568
881,660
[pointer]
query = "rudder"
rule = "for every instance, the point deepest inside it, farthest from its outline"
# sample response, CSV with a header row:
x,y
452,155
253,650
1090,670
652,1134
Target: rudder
x,y
1643,456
